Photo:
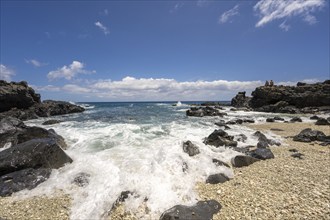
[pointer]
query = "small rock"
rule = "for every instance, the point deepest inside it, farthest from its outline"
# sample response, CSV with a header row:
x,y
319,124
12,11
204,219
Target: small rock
x,y
314,117
220,163
297,155
243,160
261,153
81,179
217,178
293,150
295,119
190,148
51,122
277,118
270,120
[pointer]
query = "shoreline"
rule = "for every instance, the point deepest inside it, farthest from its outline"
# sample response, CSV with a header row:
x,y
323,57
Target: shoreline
x,y
279,188
283,187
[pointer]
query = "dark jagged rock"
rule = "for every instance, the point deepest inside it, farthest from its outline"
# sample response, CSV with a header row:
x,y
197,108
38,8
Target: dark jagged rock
x,y
261,153
295,119
222,124
217,178
23,179
17,95
243,160
37,153
190,148
204,111
51,122
322,121
220,138
202,210
220,163
305,98
51,108
262,144
14,131
263,141
82,179
20,101
309,135
240,100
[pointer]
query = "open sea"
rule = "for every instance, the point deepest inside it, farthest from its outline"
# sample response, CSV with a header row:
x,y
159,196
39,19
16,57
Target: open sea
x,y
138,147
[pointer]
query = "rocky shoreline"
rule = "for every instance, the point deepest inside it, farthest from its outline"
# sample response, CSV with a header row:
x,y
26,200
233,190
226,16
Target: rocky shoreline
x,y
28,154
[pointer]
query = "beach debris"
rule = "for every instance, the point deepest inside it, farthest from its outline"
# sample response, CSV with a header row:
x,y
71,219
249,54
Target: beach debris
x,y
217,178
190,148
201,210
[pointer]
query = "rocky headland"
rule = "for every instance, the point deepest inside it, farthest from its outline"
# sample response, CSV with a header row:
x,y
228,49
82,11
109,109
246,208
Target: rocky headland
x,y
20,101
302,98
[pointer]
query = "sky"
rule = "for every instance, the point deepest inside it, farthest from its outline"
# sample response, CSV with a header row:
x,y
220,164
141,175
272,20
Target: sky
x,y
162,50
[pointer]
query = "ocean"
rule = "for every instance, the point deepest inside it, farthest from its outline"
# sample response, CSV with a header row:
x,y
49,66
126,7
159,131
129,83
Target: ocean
x,y
137,147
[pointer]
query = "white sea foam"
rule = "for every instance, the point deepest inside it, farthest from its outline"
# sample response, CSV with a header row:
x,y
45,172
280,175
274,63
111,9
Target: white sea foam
x,y
145,158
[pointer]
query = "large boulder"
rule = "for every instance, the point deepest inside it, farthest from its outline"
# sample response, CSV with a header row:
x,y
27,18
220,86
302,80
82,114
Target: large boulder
x,y
220,138
50,108
309,135
14,131
37,153
17,95
261,153
240,100
202,210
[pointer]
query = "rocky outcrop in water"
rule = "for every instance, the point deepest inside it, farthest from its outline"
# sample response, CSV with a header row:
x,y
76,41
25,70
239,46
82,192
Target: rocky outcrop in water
x,y
29,155
205,111
202,210
305,98
20,101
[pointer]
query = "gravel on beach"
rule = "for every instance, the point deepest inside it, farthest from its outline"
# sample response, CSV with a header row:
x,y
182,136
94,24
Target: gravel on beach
x,y
280,188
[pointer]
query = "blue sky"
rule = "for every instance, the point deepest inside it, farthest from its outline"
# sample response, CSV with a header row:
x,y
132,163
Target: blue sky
x,y
162,50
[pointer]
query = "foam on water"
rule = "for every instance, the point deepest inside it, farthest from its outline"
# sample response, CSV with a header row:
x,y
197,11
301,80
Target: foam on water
x,y
143,156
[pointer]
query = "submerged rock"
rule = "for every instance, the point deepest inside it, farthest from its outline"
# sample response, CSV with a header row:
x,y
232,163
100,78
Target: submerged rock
x,y
51,122
202,210
220,163
190,148
295,119
82,179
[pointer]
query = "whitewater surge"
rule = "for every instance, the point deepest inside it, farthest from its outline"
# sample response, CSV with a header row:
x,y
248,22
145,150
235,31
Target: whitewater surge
x,y
137,147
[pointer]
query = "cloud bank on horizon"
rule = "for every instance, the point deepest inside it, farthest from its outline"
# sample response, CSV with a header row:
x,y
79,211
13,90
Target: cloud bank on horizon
x,y
195,50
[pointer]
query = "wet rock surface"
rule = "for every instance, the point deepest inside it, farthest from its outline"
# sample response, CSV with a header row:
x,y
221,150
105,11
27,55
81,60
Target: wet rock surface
x,y
220,138
204,111
190,148
217,178
202,210
243,160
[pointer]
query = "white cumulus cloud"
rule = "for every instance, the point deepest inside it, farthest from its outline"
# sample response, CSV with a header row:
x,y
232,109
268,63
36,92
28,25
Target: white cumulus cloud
x,y
6,73
102,27
68,72
270,10
227,15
